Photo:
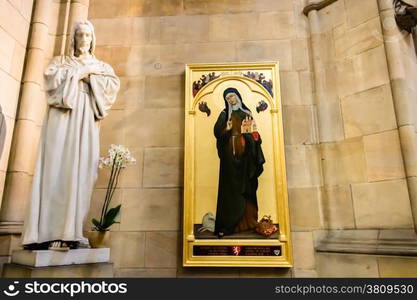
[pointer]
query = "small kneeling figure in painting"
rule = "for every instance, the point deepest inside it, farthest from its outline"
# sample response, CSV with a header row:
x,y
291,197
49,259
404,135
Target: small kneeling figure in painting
x,y
241,163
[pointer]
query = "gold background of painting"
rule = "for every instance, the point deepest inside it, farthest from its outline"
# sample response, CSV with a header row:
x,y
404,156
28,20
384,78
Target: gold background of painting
x,y
201,168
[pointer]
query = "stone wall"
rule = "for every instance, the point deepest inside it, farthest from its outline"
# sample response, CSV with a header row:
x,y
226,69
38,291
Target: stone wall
x,y
15,16
363,167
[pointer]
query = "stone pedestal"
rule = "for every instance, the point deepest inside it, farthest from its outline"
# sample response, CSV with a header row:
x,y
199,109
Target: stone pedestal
x,y
47,258
101,270
49,263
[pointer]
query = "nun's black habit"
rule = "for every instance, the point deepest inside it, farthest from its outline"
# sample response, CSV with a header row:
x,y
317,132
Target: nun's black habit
x,y
241,163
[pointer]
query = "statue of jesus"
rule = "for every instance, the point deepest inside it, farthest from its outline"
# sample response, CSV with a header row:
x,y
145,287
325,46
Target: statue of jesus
x,y
80,89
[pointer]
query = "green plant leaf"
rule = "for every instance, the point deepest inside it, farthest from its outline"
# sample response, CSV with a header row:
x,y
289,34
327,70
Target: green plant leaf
x,y
97,225
95,222
109,218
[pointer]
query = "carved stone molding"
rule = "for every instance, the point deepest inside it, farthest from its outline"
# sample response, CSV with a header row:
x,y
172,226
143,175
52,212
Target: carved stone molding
x,y
377,242
317,6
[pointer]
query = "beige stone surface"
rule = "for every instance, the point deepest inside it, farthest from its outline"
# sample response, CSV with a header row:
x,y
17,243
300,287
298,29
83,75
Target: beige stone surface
x,y
265,272
155,8
330,121
307,87
346,265
10,90
368,112
112,129
303,250
163,167
161,249
36,63
151,209
178,29
8,128
332,16
209,53
17,184
33,104
279,50
290,88
299,125
2,182
13,22
146,273
409,147
359,39
301,54
8,45
113,8
412,189
264,26
305,210
382,205
370,68
221,6
113,31
397,267
337,207
405,106
99,270
127,249
154,127
131,93
159,59
383,156
164,91
117,57
5,241
200,272
344,162
303,166
360,11
343,78
300,273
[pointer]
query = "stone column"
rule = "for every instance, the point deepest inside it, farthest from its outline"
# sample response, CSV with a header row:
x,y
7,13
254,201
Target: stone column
x,y
78,11
26,133
403,103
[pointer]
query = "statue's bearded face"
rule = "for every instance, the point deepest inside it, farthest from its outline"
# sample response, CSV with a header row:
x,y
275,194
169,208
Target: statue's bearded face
x,y
83,39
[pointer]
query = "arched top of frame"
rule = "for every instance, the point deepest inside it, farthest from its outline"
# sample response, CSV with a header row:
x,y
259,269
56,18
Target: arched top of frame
x,y
253,85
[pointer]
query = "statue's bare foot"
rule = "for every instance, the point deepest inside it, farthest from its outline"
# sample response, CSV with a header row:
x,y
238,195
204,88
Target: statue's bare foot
x,y
58,246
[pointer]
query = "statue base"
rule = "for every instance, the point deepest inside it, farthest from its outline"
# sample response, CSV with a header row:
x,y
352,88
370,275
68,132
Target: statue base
x,y
47,258
97,270
49,263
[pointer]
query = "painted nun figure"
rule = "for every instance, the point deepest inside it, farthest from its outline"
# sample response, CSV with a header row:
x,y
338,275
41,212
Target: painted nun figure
x,y
241,163
80,89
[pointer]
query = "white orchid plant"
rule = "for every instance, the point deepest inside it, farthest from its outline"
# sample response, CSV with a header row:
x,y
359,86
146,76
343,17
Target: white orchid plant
x,y
118,158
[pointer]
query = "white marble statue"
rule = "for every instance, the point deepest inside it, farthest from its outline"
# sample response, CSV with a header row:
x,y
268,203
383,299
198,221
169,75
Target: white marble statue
x,y
80,90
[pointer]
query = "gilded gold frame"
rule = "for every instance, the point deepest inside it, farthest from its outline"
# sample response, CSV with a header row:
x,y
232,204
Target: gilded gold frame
x,y
189,239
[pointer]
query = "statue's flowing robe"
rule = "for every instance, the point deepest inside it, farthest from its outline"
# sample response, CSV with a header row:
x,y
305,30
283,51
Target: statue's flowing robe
x,y
241,163
68,156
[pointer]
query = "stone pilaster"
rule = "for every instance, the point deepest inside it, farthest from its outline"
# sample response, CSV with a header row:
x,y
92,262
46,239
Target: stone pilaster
x,y
26,133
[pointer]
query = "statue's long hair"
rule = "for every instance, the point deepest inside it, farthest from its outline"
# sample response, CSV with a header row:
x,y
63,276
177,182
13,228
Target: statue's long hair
x,y
74,29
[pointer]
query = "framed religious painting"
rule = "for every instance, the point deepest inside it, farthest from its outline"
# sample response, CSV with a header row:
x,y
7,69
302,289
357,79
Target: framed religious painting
x,y
235,188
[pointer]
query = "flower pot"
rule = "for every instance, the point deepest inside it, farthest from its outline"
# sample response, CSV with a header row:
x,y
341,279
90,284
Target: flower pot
x,y
99,239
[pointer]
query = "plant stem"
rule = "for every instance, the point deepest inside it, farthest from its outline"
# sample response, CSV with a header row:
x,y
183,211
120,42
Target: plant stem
x,y
113,189
103,210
